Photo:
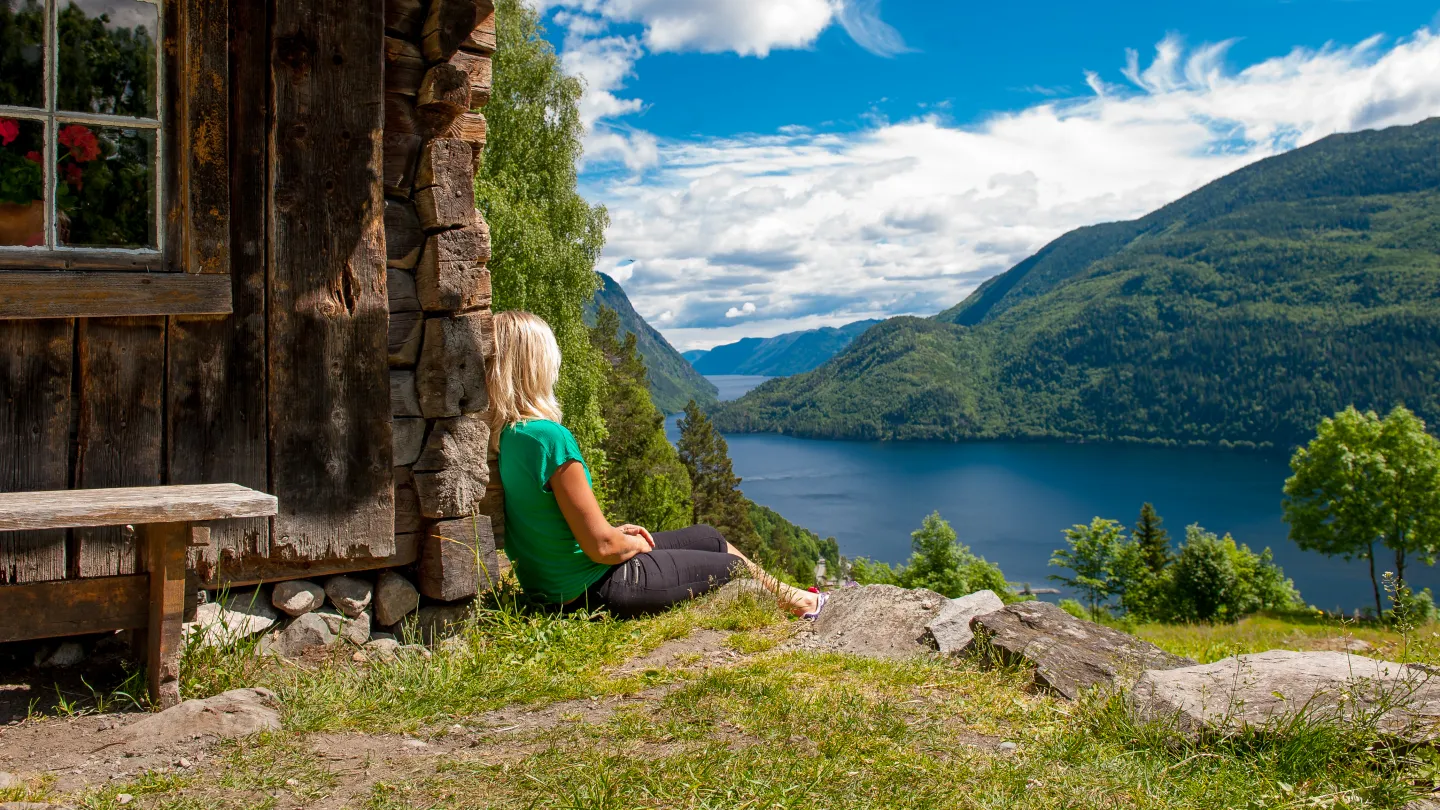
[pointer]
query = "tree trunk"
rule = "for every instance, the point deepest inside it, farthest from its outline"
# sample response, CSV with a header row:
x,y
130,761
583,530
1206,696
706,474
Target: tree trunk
x,y
1399,554
1374,583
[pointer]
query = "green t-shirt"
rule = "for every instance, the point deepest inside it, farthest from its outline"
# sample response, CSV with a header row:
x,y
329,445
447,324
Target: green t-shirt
x,y
546,555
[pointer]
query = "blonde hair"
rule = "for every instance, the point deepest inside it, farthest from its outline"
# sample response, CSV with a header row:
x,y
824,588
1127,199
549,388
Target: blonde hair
x,y
523,372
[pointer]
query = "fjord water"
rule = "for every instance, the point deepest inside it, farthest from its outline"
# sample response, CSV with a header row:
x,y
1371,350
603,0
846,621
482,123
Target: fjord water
x,y
1009,501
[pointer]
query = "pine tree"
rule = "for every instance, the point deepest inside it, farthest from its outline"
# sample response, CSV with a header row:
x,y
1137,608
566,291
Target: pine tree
x,y
1154,541
715,489
643,480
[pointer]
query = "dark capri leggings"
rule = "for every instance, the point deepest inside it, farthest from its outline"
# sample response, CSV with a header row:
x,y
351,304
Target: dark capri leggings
x,y
684,564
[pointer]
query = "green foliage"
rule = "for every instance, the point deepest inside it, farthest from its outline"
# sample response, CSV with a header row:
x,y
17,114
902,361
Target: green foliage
x,y
644,480
938,561
790,551
104,68
672,380
872,572
22,73
1240,314
1214,579
546,238
1210,579
1091,558
715,489
1153,541
1364,480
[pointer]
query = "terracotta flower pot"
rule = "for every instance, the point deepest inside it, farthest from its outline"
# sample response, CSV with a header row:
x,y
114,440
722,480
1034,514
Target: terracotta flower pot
x,y
22,223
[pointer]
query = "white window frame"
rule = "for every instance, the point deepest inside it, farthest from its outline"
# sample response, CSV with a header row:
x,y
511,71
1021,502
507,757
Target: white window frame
x,y
54,119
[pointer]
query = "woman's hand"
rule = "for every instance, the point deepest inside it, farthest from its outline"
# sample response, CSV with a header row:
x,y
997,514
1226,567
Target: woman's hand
x,y
638,531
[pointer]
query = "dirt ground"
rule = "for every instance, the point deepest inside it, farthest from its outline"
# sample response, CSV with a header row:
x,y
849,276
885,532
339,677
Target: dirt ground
x,y
88,751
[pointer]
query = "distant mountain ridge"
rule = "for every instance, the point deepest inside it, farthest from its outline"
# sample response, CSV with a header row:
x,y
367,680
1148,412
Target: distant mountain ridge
x,y
673,382
1241,313
779,356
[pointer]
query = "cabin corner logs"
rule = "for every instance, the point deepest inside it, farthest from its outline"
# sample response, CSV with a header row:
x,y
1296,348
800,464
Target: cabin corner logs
x,y
350,268
437,78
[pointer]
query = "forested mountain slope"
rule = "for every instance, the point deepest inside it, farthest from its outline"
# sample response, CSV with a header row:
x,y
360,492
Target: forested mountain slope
x,y
779,356
1243,312
673,382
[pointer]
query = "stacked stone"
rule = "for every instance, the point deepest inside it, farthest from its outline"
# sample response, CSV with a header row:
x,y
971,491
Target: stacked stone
x,y
437,77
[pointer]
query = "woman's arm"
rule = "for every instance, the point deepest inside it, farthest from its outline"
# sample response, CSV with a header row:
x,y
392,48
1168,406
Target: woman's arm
x,y
599,540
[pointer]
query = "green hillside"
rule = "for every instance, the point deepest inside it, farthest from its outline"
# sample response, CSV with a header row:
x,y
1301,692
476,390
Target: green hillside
x,y
1241,313
673,382
779,356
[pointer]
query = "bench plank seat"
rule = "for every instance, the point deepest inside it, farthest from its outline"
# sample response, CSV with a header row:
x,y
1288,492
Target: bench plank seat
x,y
60,509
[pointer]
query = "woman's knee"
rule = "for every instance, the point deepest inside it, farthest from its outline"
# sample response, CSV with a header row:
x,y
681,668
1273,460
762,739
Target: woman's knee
x,y
709,532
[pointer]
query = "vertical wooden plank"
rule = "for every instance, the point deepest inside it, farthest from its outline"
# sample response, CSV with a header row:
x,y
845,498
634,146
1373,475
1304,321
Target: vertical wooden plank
x,y
165,555
217,421
36,359
330,442
203,110
196,137
122,383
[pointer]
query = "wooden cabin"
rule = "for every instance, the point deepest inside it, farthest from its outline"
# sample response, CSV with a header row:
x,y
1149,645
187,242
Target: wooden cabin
x,y
239,245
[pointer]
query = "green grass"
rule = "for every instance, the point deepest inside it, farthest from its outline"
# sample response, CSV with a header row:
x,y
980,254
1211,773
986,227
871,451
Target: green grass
x,y
773,729
1211,642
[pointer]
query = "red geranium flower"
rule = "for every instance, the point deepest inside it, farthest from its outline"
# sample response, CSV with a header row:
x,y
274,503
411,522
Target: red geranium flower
x,y
73,176
83,145
33,156
9,130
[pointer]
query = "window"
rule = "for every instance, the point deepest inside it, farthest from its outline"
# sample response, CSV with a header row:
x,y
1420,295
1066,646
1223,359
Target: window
x,y
80,135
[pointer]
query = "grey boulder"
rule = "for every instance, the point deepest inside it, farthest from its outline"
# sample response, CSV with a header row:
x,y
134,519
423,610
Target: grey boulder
x,y
303,633
356,630
435,622
395,597
877,621
950,629
297,596
1070,656
1269,688
237,713
65,654
233,617
349,595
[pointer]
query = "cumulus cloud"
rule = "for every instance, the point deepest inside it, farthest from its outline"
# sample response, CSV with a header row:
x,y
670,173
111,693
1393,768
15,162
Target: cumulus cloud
x,y
745,27
909,217
740,312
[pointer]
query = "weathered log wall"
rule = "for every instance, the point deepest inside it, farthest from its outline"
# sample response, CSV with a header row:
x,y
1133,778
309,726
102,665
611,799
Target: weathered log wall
x,y
275,120
437,77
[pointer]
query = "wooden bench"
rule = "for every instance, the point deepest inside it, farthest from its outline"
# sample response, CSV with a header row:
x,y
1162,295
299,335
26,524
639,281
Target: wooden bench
x,y
153,602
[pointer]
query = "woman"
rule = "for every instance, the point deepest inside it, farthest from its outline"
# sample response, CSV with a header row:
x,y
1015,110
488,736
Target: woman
x,y
564,550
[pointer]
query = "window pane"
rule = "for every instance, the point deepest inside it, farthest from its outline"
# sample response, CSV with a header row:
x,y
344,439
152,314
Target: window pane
x,y
22,62
22,209
107,57
105,186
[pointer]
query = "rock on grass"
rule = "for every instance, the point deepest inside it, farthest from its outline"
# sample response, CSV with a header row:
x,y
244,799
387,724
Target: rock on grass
x,y
1270,688
1069,655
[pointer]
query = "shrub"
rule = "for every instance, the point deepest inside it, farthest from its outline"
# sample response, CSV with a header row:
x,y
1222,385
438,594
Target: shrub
x,y
938,561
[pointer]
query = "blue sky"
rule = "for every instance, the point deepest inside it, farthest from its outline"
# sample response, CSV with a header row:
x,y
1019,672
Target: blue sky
x,y
780,164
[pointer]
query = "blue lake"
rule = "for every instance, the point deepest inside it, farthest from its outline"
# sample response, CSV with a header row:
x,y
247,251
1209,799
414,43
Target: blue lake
x,y
1009,501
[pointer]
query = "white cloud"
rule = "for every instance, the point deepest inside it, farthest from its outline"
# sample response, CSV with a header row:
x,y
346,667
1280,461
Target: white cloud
x,y
861,19
747,309
909,217
746,27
